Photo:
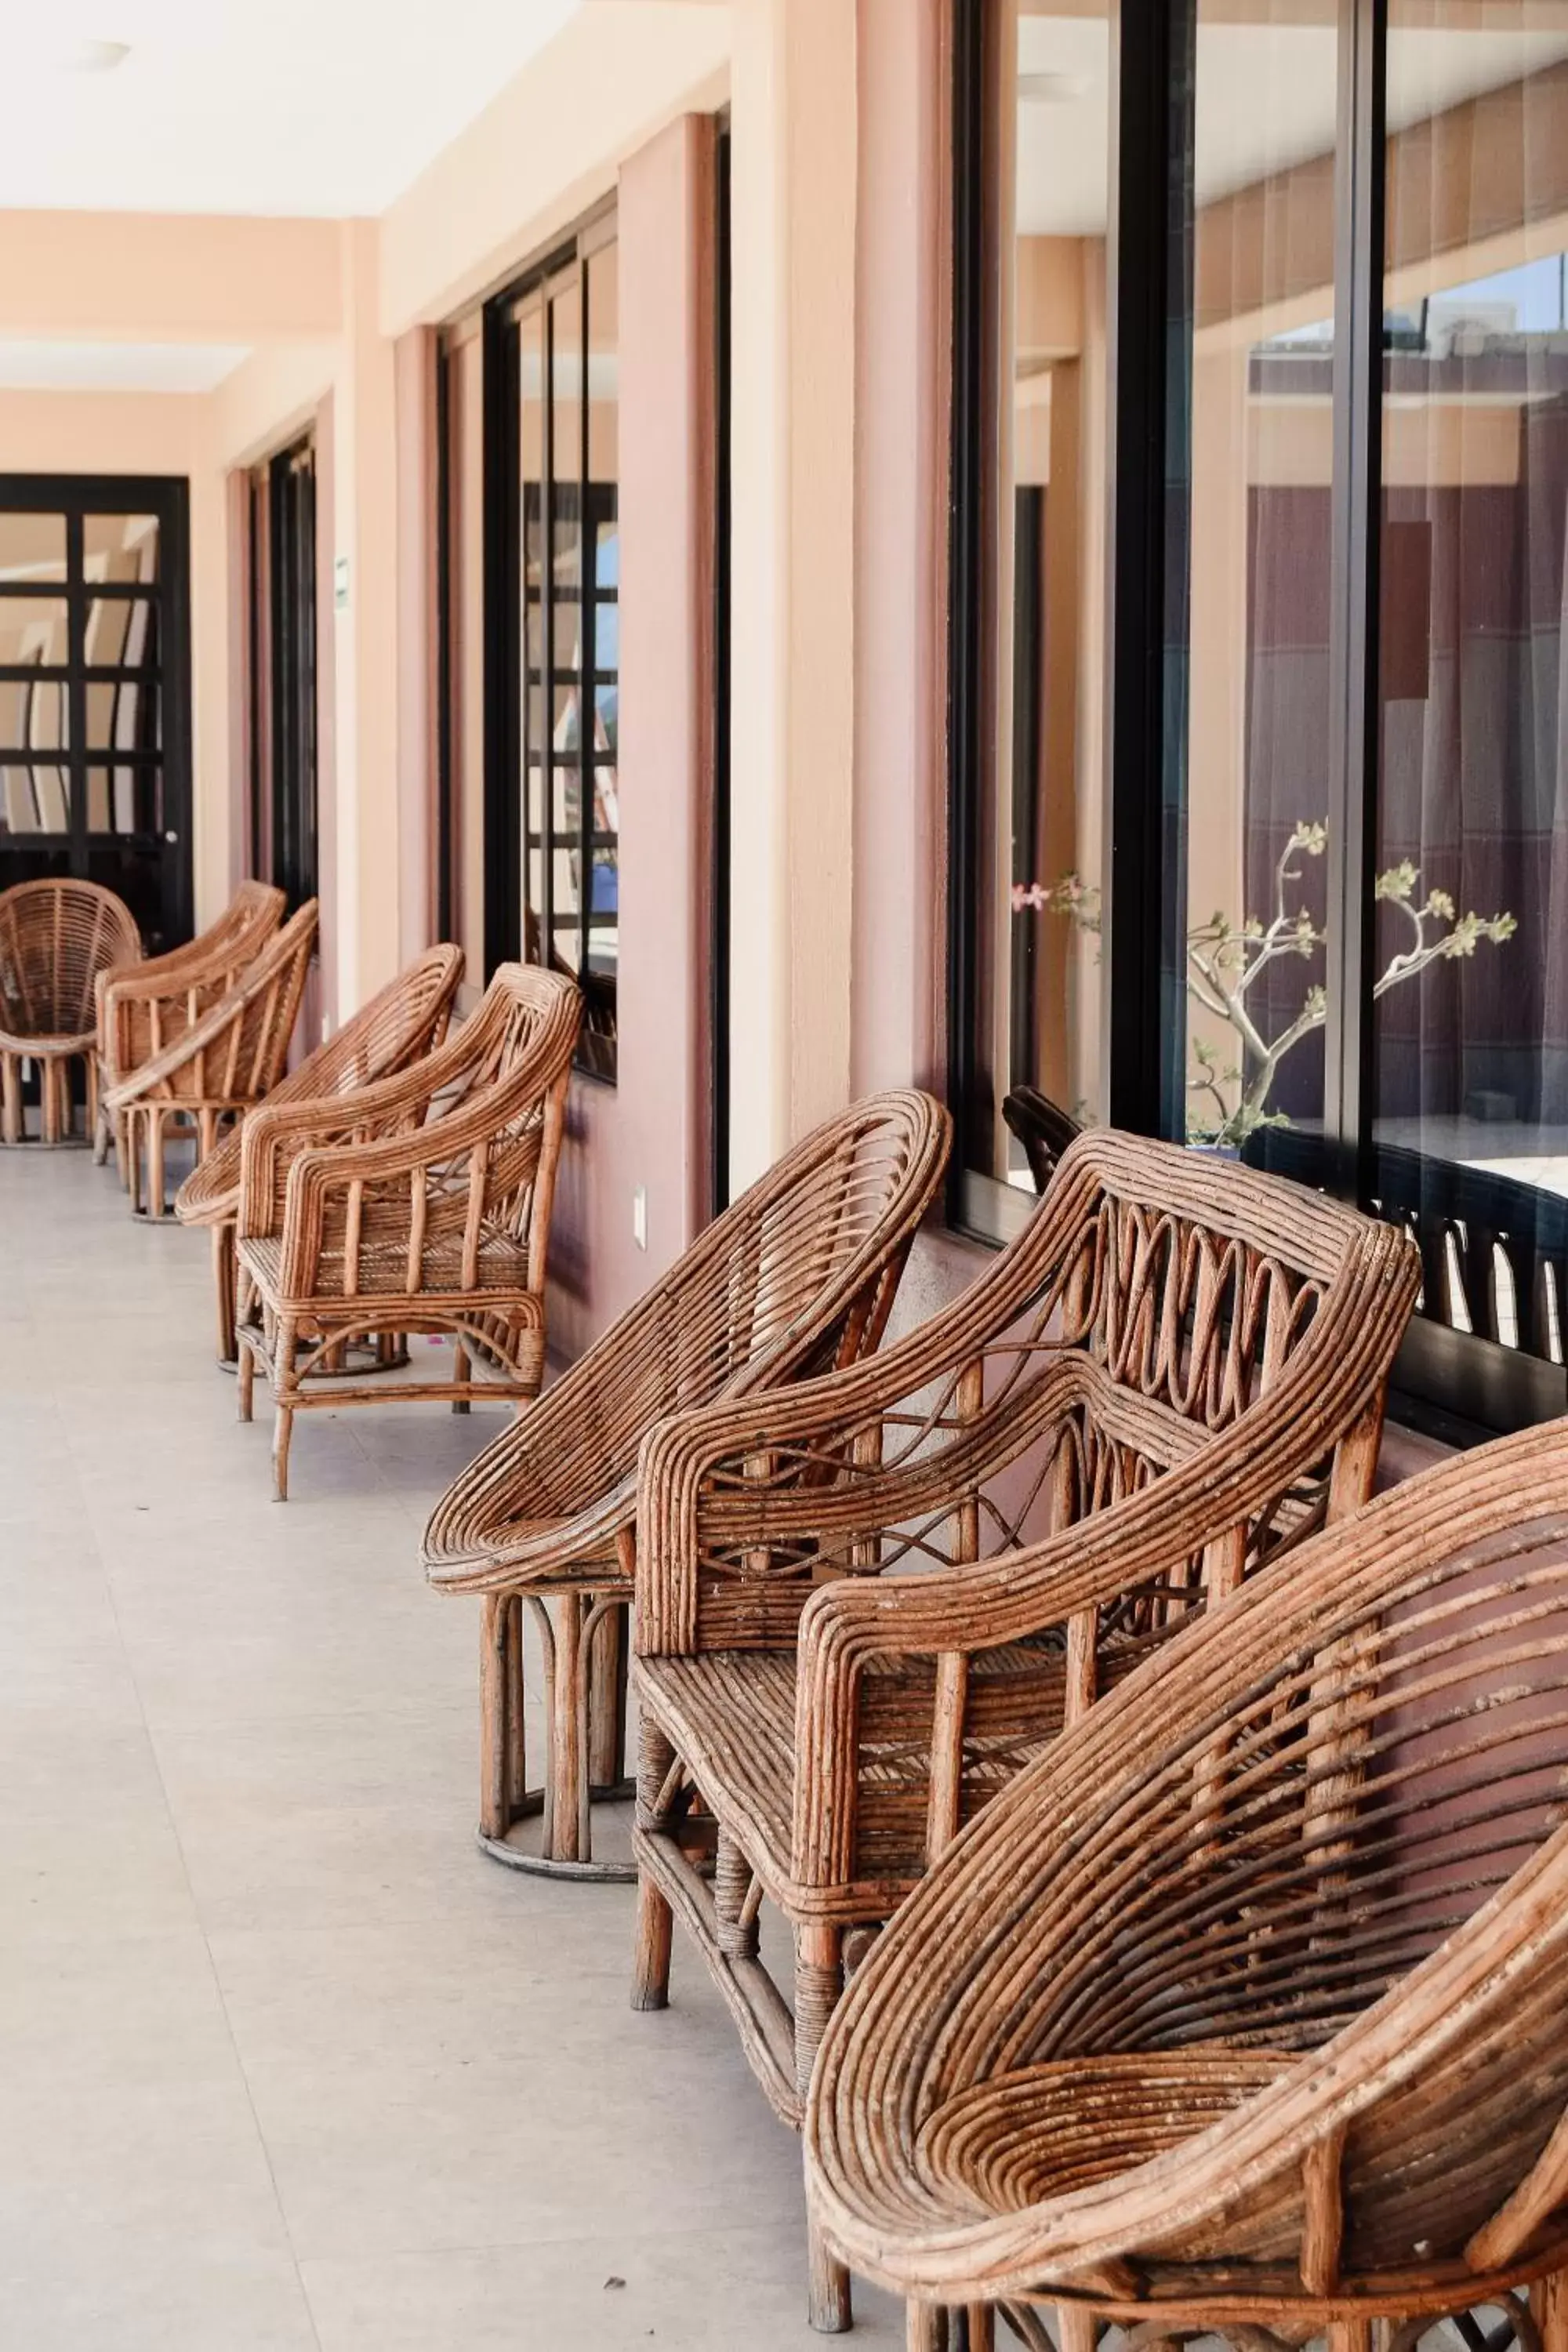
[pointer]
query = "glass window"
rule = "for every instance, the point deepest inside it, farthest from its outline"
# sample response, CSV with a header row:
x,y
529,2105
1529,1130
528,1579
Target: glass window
x,y
1040,643
1468,980
1251,589
32,549
1313,676
568,579
282,717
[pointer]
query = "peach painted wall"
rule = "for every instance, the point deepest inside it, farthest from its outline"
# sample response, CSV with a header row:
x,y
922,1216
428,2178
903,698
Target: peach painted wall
x,y
650,1128
167,278
546,149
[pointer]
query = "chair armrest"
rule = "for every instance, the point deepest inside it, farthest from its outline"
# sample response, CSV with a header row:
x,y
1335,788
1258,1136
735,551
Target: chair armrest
x,y
853,1473
178,1053
275,1134
853,1630
319,1172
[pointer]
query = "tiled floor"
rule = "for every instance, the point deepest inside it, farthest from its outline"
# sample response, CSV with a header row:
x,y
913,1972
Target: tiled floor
x,y
284,2063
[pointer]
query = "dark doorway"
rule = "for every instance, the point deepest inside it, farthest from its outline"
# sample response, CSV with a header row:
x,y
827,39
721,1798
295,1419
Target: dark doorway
x,y
95,759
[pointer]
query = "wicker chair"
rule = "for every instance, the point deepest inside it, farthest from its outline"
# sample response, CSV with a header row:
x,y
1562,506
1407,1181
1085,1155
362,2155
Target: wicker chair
x,y
406,1019
55,937
420,1203
215,1067
798,1273
1178,1367
143,1010
1044,1129
1246,2014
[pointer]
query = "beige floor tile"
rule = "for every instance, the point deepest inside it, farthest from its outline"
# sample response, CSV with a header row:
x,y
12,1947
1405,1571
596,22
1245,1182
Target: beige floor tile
x,y
609,2290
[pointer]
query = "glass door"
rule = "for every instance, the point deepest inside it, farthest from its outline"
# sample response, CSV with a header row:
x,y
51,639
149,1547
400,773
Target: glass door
x,y
95,692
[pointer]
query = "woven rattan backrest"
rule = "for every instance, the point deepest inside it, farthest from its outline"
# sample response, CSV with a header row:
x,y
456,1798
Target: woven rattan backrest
x,y
796,1275
142,1010
247,1029
1334,1813
1155,1300
403,1021
55,937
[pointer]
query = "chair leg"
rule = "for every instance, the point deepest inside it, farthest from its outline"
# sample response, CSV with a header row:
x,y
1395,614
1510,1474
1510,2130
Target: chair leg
x,y
925,2327
94,1129
459,1372
49,1099
982,2324
569,1760
284,1390
247,1393
828,2288
1076,2330
155,1204
495,1715
222,1284
10,1098
656,1920
1552,2296
818,1981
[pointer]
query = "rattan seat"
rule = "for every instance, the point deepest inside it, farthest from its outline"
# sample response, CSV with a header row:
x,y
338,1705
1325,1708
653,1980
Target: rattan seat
x,y
403,1021
1245,2012
796,1275
419,1202
739,1710
1175,1372
56,935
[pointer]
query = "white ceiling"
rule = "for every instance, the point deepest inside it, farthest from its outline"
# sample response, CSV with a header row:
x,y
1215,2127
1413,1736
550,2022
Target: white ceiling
x,y
1266,99
299,106
40,366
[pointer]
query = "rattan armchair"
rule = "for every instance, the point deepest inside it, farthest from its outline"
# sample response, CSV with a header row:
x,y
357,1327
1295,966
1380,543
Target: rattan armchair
x,y
1178,1368
798,1273
1245,2014
55,937
145,1007
405,1021
418,1205
215,1068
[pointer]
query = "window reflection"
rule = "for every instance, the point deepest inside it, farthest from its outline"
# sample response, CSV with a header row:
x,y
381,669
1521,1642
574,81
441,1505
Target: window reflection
x,y
1470,978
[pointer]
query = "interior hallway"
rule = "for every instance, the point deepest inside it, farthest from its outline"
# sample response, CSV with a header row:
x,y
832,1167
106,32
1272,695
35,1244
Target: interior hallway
x,y
284,2063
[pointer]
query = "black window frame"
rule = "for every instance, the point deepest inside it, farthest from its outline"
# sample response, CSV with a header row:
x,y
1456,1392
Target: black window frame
x,y
1445,1379
505,682
165,847
283,667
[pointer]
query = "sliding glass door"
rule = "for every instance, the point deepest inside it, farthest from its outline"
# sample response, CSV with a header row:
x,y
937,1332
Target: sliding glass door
x,y
95,691
1276,860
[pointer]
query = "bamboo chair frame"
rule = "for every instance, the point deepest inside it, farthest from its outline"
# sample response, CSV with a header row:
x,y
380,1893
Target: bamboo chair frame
x,y
1178,1369
145,1007
1245,2013
405,1021
56,935
797,1274
420,1203
217,1067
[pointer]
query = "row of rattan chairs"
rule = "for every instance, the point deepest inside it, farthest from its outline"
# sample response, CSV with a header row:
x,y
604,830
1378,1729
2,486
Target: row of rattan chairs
x,y
1193,1966
397,1182
1172,1844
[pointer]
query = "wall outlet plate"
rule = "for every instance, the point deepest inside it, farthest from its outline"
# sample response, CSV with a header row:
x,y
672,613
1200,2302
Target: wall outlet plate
x,y
639,1216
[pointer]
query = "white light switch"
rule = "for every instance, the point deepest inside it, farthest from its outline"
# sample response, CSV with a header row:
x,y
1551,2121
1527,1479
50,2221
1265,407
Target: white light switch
x,y
639,1216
